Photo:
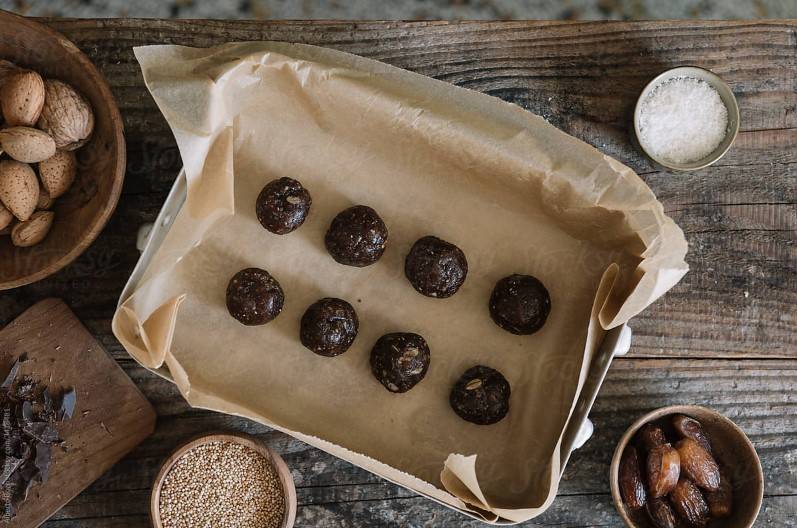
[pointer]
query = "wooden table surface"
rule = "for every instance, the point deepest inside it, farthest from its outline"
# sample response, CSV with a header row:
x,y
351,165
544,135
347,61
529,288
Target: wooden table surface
x,y
725,337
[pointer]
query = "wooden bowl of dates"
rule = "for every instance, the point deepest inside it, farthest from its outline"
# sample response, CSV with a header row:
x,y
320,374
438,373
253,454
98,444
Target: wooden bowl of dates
x,y
686,466
82,211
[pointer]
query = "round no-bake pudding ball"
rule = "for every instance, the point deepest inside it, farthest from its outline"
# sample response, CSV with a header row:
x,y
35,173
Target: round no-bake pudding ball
x,y
481,396
329,327
520,304
400,360
435,268
282,205
254,297
356,237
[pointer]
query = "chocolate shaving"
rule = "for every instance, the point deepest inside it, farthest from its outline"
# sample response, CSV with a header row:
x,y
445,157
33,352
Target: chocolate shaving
x,y
10,464
27,411
12,374
68,401
43,452
29,419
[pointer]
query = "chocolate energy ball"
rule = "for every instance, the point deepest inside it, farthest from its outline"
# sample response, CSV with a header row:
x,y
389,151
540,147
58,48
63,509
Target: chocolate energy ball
x,y
435,268
329,327
481,396
254,297
283,205
356,237
399,361
520,304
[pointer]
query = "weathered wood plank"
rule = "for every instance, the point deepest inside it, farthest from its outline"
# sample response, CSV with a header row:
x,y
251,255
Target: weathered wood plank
x,y
744,248
755,394
739,217
577,511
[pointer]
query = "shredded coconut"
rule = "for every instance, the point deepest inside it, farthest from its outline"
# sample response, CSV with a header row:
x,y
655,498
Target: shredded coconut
x,y
682,120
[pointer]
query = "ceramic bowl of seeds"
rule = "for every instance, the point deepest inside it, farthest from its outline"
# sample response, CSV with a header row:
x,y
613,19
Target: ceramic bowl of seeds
x,y
686,466
224,481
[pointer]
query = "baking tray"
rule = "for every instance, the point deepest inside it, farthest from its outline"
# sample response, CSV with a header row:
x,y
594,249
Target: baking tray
x,y
579,428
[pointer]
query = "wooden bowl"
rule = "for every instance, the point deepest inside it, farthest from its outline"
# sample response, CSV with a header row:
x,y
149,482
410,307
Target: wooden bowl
x,y
731,448
289,491
80,214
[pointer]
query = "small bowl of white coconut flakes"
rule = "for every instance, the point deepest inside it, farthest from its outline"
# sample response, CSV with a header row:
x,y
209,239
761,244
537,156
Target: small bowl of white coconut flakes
x,y
686,118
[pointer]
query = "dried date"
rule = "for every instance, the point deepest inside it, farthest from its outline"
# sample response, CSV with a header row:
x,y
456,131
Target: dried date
x,y
691,428
663,469
661,514
689,503
630,478
720,502
698,465
651,436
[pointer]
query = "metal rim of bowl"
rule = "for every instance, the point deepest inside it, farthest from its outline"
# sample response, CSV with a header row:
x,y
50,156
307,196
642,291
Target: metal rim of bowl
x,y
283,472
733,116
655,414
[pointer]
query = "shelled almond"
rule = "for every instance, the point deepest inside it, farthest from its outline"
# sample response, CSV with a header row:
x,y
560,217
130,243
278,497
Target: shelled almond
x,y
44,122
22,98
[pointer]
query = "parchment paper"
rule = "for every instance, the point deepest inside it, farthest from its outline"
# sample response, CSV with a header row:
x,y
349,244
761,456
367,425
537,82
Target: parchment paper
x,y
516,194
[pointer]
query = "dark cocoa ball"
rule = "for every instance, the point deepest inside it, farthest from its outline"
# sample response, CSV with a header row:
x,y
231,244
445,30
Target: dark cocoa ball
x,y
356,237
520,304
283,205
254,297
481,396
435,268
399,361
329,327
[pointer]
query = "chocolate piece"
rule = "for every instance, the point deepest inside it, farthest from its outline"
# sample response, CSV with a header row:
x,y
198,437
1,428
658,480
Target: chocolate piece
x,y
400,360
29,422
356,236
329,327
254,297
520,304
435,268
283,205
481,396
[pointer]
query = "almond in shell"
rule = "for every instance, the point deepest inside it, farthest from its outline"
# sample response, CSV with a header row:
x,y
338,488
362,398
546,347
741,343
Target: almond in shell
x,y
32,231
7,69
19,188
22,98
58,172
45,200
6,217
66,115
26,144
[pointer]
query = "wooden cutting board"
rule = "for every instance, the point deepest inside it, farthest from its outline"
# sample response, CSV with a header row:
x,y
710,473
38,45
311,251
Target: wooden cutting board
x,y
111,415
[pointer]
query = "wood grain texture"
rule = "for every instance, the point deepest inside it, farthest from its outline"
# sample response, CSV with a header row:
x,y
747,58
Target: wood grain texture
x,y
82,212
755,394
111,415
725,337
